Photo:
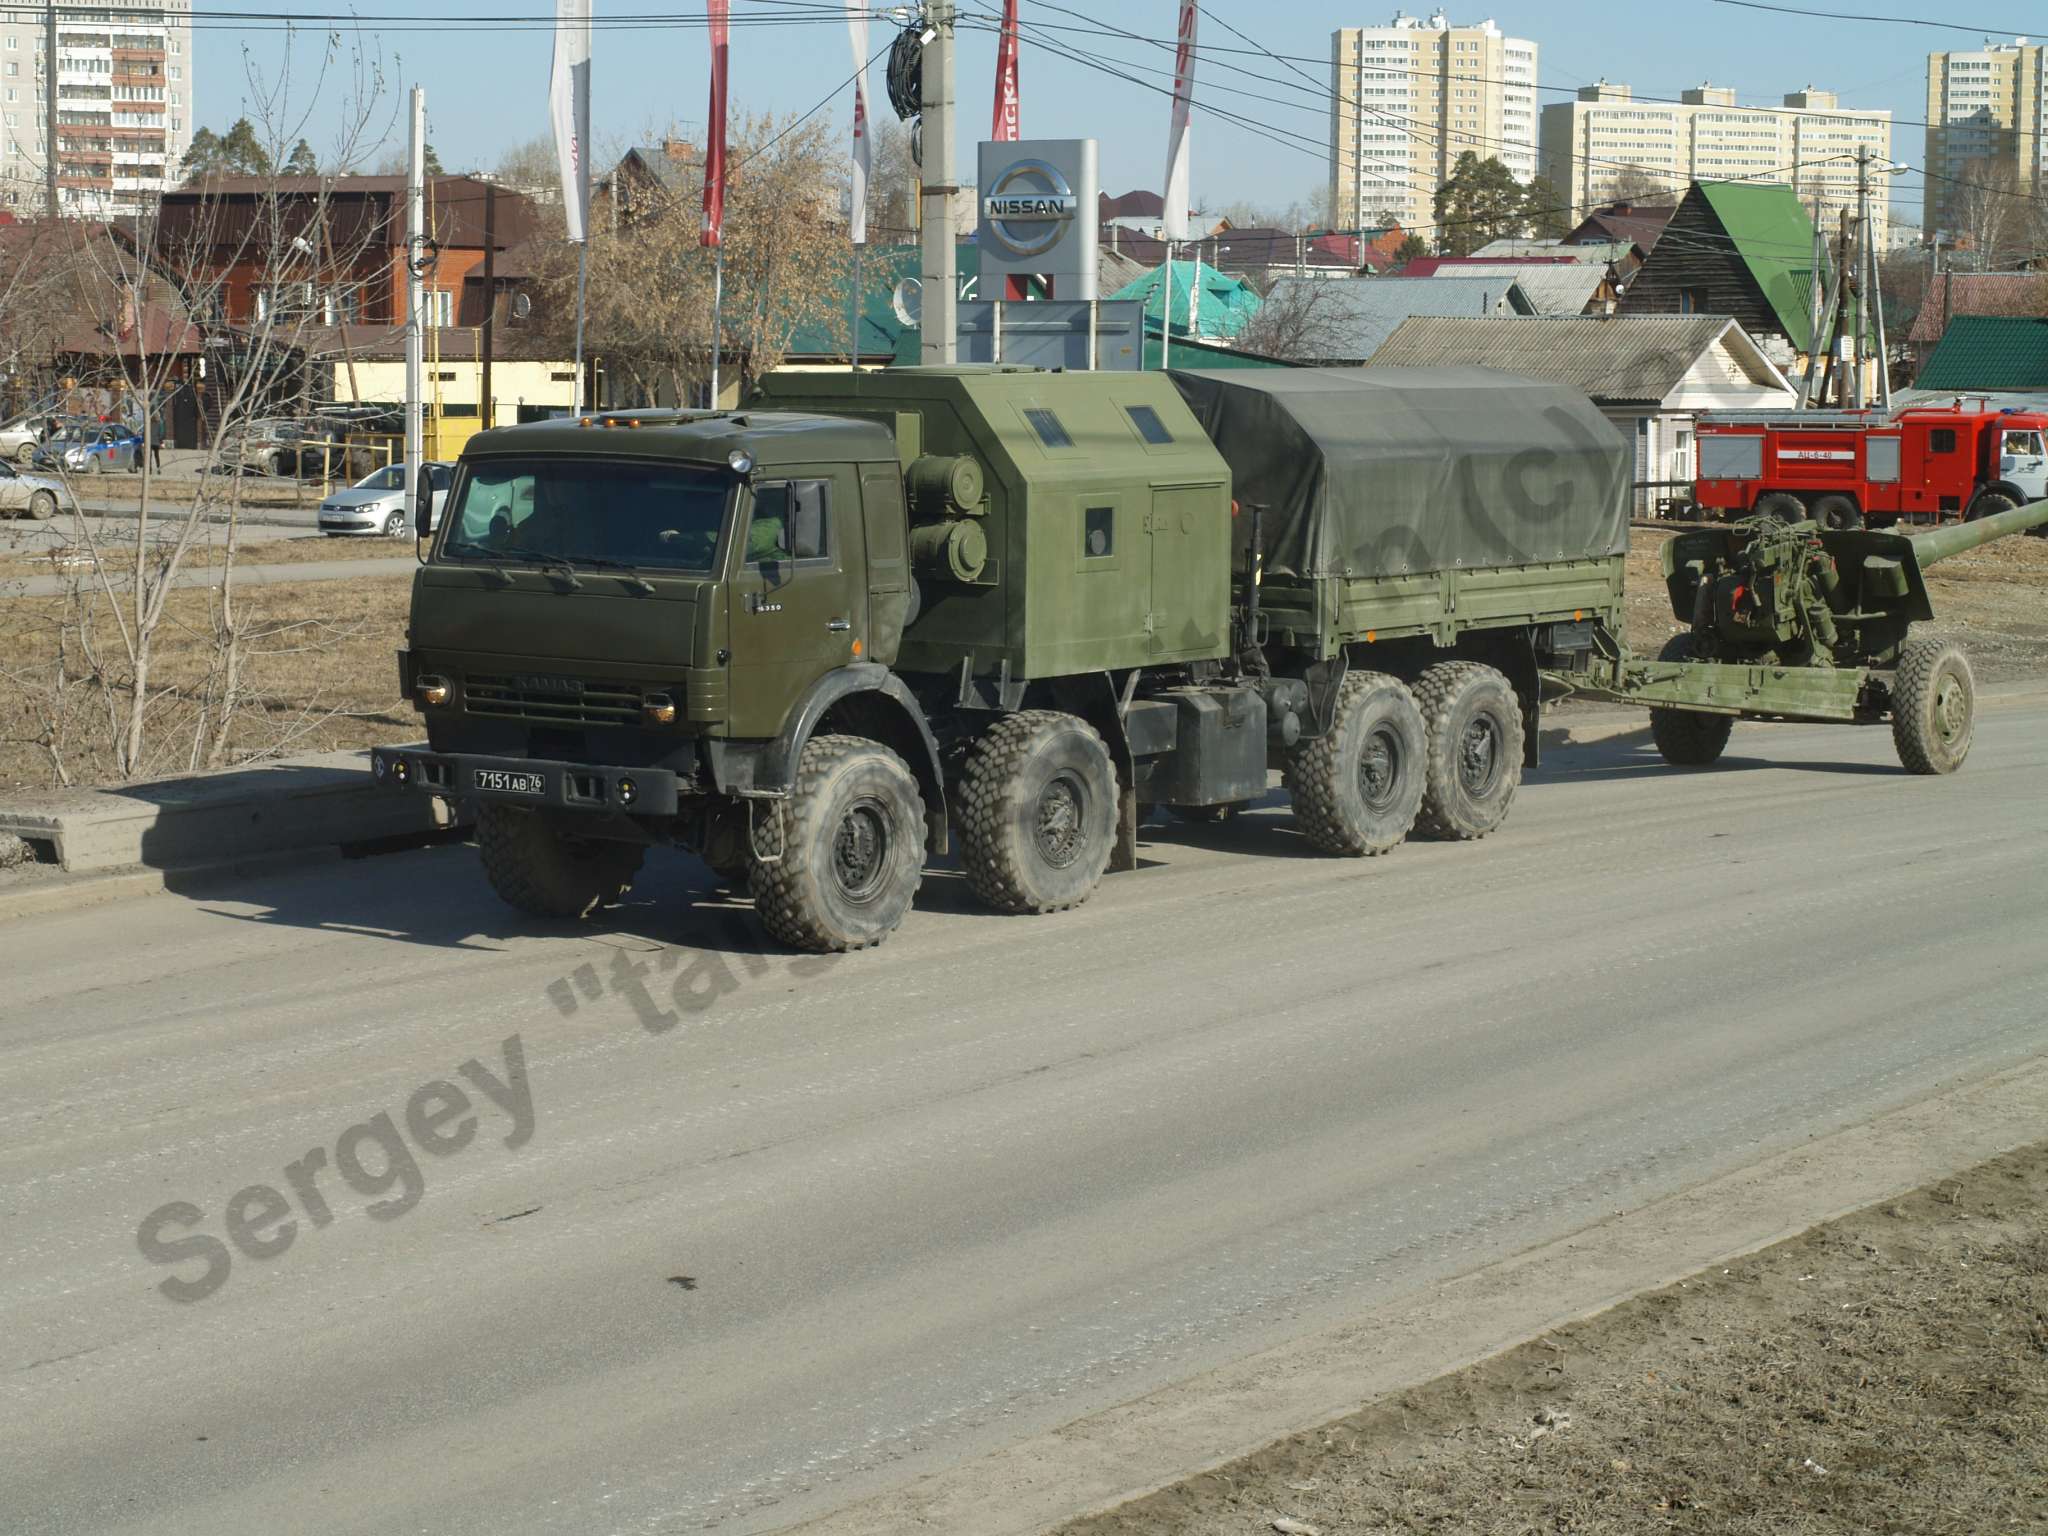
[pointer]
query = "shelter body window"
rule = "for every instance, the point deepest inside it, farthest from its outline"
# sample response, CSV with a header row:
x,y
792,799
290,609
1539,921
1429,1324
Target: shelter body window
x,y
1048,427
1098,532
1149,426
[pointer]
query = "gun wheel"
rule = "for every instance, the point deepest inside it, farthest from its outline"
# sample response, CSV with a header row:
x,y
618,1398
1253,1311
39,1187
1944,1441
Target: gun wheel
x,y
1357,791
1934,706
1473,761
1687,738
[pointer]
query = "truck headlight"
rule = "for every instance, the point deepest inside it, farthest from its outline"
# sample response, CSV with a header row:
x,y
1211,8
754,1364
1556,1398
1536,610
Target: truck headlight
x,y
433,690
659,709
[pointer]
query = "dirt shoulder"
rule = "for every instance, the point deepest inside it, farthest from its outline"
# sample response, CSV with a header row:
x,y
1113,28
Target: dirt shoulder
x,y
1886,1372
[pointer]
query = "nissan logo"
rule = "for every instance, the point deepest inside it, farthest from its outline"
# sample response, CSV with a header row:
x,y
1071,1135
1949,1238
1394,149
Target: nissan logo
x,y
1029,207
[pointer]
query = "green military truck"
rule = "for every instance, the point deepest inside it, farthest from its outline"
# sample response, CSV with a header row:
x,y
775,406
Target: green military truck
x,y
876,616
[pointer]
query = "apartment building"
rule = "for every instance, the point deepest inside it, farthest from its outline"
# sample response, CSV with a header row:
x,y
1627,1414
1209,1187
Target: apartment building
x,y
1985,108
124,105
1606,143
1408,98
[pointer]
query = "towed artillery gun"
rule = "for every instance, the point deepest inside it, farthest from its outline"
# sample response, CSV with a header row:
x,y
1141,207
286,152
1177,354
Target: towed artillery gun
x,y
874,618
1801,622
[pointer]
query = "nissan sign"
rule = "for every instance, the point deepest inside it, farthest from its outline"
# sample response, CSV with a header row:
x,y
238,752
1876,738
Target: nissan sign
x,y
1038,213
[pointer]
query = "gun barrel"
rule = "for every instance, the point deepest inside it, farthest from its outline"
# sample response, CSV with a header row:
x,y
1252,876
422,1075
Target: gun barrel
x,y
1958,537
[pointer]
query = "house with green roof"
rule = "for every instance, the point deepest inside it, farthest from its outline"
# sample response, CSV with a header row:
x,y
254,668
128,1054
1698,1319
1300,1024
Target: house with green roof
x,y
1989,354
1738,248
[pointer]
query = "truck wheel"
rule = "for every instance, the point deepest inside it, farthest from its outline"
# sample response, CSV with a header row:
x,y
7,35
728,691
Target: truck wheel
x,y
1934,706
1989,504
1038,807
1783,506
1837,512
853,839
1358,790
1686,738
1473,760
534,867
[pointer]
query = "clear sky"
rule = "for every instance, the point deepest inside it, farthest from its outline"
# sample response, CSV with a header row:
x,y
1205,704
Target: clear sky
x,y
486,80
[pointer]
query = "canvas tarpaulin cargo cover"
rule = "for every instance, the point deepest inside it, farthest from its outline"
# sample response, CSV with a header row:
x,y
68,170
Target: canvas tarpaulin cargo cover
x,y
1392,471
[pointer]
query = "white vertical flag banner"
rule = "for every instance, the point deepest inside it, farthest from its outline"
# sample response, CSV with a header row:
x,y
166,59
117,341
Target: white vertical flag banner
x,y
1176,225
569,111
863,149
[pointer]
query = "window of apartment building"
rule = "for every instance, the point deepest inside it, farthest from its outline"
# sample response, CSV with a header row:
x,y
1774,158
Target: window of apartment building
x,y
13,68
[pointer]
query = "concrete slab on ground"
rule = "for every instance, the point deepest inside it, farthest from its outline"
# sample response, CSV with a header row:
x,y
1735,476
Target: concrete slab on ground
x,y
310,803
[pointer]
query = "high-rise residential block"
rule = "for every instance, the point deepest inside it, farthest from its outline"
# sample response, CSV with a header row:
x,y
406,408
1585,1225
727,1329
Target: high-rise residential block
x,y
1408,98
1987,116
124,105
1607,143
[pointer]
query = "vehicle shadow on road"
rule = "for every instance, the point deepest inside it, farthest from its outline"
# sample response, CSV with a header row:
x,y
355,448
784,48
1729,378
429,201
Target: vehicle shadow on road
x,y
1625,758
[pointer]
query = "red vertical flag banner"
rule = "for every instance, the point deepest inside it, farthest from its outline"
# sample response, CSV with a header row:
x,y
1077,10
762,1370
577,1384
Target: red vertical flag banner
x,y
1006,129
714,133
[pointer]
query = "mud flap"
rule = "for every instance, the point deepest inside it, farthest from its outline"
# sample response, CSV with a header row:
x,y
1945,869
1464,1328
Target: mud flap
x,y
1124,856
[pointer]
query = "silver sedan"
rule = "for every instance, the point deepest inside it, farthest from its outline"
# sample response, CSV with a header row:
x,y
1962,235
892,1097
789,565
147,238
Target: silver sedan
x,y
376,503
24,493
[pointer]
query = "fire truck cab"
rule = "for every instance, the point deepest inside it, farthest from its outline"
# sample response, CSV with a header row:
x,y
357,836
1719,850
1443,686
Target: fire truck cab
x,y
1846,469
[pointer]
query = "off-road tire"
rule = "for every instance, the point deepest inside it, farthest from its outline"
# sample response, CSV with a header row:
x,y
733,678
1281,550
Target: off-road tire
x,y
1472,762
534,868
852,844
42,506
1037,812
1934,705
1688,738
1782,505
1989,504
1837,512
1378,737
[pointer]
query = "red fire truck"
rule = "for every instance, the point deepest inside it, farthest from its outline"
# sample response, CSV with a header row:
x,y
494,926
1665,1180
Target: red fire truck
x,y
1844,469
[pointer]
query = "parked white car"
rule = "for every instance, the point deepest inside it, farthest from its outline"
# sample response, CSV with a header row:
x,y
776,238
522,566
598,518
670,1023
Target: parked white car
x,y
26,493
20,437
376,503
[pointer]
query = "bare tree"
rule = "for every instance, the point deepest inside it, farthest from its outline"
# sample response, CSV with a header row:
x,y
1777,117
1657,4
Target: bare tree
x,y
172,280
1301,321
786,262
1640,185
1994,216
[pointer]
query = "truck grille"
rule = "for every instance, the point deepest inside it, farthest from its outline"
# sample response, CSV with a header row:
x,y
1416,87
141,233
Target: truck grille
x,y
553,700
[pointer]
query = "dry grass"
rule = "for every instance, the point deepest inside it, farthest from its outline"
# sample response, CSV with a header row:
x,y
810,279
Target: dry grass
x,y
1883,1373
319,675
210,550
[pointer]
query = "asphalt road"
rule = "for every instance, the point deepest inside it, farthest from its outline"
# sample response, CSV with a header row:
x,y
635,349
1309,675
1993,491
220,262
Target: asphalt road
x,y
829,1224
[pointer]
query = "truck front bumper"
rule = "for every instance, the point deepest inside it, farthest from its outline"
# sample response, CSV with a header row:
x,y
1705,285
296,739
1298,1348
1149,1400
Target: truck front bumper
x,y
535,783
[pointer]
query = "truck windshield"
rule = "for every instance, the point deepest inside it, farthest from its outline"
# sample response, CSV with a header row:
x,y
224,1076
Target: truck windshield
x,y
644,513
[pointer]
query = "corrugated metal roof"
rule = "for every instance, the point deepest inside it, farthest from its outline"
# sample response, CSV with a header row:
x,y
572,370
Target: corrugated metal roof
x,y
1365,311
1774,237
1978,293
1621,358
1554,288
1995,352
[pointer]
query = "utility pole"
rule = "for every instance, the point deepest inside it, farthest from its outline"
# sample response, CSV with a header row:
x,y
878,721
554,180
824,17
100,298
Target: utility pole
x,y
415,299
50,108
1856,347
486,405
940,331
